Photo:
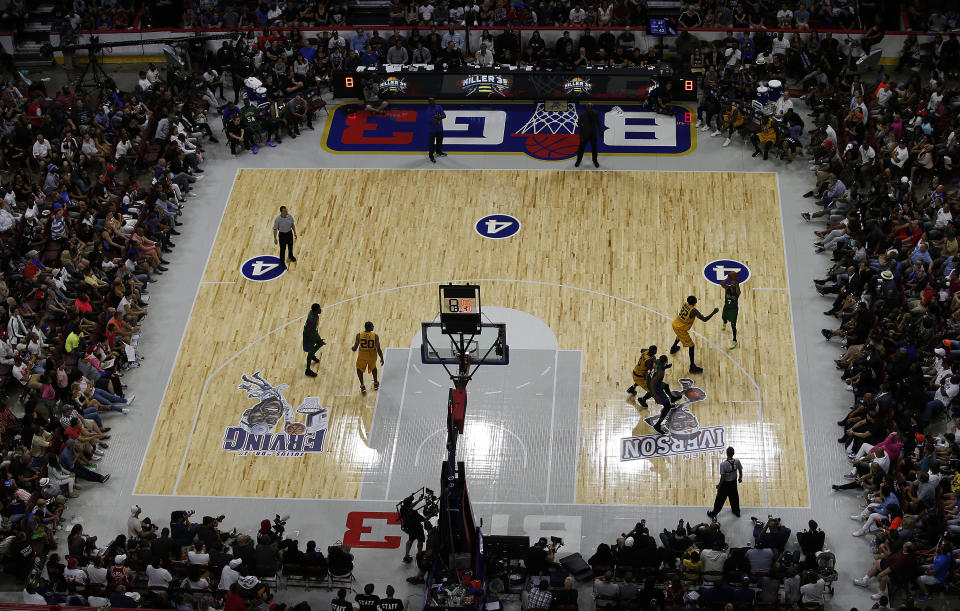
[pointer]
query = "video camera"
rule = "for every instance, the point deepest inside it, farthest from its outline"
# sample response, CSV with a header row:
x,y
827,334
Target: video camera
x,y
423,502
279,524
179,515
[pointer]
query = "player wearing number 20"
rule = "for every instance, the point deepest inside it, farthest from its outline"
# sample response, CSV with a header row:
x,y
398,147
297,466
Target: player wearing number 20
x,y
367,347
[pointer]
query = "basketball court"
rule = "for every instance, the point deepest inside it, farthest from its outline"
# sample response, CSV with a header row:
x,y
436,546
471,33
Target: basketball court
x,y
596,271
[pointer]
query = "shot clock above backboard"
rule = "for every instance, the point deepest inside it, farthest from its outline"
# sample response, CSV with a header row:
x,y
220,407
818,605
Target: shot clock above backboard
x,y
460,308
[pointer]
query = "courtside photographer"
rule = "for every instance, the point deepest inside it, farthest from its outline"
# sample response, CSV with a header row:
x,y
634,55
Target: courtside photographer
x,y
413,512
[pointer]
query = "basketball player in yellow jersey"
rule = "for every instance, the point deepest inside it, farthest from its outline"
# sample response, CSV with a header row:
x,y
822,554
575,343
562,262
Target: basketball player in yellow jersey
x,y
681,326
369,344
640,372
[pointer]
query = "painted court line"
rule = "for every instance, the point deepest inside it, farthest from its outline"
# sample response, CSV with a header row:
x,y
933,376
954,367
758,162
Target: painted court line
x,y
396,432
718,349
553,409
183,335
793,330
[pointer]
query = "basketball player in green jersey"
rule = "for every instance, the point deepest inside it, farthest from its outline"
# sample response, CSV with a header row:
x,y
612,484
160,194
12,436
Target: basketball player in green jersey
x,y
660,390
731,307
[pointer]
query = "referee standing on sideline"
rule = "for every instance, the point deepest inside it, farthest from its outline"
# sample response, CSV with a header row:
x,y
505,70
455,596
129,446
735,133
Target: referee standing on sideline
x,y
589,125
731,472
436,129
284,233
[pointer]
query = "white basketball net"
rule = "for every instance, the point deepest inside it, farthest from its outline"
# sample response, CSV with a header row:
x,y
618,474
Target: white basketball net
x,y
551,122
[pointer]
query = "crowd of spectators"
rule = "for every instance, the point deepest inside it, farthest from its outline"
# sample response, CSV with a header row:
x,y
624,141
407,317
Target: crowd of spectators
x,y
694,566
184,565
82,15
883,153
94,188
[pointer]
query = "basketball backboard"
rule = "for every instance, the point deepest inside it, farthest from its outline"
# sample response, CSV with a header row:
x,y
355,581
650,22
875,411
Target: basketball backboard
x,y
489,347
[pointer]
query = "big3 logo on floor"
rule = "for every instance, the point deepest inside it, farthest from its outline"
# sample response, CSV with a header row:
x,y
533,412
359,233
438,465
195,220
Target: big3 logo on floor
x,y
508,128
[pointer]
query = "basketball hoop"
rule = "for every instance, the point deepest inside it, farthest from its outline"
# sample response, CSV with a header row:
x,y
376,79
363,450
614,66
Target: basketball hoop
x,y
563,120
552,134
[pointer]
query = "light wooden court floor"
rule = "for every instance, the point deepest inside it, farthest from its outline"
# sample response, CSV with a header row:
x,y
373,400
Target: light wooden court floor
x,y
604,259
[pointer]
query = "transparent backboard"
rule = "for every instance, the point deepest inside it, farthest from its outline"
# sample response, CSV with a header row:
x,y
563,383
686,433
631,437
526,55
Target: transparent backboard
x,y
489,347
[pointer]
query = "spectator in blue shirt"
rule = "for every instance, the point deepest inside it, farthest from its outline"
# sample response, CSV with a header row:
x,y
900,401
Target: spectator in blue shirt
x,y
921,255
938,572
360,42
877,511
229,111
70,462
368,57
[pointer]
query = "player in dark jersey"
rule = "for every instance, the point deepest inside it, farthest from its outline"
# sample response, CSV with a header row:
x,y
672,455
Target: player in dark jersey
x,y
731,304
368,601
390,603
340,603
660,390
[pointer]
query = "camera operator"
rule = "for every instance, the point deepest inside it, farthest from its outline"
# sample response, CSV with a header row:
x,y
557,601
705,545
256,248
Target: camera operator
x,y
431,550
181,530
137,529
770,534
540,556
645,549
265,535
209,531
411,522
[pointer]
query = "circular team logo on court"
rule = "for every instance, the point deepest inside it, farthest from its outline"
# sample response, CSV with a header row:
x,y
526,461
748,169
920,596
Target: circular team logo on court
x,y
716,271
497,226
262,268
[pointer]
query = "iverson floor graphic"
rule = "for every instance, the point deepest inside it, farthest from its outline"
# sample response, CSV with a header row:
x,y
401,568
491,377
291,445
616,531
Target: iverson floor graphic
x,y
595,271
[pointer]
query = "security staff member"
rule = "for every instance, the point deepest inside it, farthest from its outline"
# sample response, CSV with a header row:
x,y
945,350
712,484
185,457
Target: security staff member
x,y
436,129
340,603
731,472
284,233
390,603
589,125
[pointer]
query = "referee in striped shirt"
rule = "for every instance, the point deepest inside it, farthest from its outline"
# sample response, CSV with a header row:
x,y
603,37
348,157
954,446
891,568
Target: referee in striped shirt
x,y
284,233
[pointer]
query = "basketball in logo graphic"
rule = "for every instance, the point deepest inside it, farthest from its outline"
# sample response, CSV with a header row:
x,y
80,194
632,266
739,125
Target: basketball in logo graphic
x,y
552,146
294,428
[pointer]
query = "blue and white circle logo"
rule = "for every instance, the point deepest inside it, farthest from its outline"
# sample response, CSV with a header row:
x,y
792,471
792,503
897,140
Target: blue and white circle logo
x,y
497,226
716,271
262,268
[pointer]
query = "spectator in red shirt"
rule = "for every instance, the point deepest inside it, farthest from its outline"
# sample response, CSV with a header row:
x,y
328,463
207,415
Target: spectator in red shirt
x,y
235,601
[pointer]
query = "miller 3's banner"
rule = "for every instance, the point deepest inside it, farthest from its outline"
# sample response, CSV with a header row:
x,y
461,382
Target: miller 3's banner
x,y
509,128
618,84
